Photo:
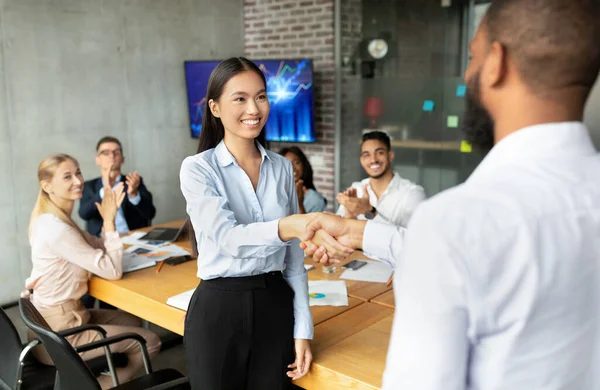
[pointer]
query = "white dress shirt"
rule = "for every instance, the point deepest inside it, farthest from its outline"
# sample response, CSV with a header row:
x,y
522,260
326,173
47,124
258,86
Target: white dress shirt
x,y
237,228
397,203
499,282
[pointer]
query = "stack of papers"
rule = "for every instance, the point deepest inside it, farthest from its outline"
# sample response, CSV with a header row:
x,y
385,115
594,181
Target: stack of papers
x,y
327,293
374,271
132,261
134,239
181,301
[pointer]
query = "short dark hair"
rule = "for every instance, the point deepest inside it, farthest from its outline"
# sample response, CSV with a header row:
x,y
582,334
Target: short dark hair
x,y
307,176
378,136
555,43
107,139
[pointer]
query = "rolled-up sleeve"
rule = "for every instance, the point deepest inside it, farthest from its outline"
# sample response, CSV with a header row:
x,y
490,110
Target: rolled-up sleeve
x,y
210,214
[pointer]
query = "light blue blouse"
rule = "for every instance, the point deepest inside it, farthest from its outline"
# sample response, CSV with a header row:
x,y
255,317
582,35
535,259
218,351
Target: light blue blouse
x,y
314,202
237,228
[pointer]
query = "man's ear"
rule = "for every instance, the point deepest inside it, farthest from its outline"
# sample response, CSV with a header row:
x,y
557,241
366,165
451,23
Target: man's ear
x,y
495,67
391,155
46,186
214,108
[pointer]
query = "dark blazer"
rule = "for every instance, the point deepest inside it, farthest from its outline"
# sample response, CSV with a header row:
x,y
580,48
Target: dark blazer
x,y
136,216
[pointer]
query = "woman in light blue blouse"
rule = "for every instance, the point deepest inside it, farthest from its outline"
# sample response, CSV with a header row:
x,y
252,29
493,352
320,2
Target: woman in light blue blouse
x,y
308,197
249,321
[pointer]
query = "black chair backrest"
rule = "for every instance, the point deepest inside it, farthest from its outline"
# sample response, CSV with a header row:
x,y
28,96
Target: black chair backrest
x,y
74,374
11,347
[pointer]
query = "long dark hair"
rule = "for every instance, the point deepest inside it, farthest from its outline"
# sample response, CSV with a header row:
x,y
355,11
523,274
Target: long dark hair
x,y
213,131
212,128
307,176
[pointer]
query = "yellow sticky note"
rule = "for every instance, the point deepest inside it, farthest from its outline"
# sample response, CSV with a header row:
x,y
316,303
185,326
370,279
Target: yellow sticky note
x,y
465,147
452,121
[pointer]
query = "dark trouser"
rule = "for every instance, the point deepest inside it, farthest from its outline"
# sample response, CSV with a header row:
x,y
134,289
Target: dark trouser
x,y
88,302
239,333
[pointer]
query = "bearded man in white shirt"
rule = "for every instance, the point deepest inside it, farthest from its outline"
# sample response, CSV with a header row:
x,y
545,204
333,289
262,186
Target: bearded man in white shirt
x,y
384,196
497,285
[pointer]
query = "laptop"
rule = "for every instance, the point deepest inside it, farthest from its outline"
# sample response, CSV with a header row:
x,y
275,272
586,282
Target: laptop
x,y
161,235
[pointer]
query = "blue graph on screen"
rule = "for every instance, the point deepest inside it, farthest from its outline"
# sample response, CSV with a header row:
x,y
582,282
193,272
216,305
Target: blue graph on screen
x,y
290,93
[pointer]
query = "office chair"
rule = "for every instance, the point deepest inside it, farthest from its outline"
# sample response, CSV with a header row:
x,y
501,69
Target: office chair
x,y
19,370
73,374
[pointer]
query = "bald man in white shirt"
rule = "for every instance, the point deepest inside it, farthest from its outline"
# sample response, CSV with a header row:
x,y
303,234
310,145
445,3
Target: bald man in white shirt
x,y
498,281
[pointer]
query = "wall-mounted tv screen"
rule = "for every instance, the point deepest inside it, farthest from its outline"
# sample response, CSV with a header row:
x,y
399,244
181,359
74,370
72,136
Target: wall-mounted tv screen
x,y
290,93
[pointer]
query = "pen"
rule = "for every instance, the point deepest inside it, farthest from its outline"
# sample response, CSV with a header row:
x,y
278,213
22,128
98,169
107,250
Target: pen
x,y
160,265
390,281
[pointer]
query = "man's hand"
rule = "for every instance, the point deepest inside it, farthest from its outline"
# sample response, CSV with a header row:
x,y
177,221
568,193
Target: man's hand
x,y
107,177
133,183
294,226
354,205
347,232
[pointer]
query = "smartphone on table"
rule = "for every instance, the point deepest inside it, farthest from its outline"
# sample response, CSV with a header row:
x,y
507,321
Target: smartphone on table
x,y
354,264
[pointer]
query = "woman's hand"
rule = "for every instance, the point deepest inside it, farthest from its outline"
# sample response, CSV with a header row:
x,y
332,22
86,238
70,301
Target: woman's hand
x,y
110,204
303,359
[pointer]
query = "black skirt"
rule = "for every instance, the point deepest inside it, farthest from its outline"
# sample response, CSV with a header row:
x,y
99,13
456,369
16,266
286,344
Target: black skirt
x,y
239,333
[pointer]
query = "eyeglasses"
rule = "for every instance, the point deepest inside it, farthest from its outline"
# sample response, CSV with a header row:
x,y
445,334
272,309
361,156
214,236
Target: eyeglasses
x,y
106,153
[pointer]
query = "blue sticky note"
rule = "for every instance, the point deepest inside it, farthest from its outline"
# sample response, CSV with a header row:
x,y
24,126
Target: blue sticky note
x,y
461,90
428,105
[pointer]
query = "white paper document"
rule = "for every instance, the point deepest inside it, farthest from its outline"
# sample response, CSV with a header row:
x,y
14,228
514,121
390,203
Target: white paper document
x,y
181,301
327,293
172,251
374,271
132,261
134,239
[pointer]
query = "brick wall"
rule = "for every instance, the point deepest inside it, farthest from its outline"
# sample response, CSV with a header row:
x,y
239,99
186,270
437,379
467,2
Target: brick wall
x,y
301,29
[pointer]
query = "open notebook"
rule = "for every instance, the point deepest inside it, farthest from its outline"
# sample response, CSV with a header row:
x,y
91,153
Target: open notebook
x,y
181,301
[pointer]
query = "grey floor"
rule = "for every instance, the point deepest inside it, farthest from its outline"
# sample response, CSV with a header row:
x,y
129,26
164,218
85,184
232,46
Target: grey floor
x,y
172,357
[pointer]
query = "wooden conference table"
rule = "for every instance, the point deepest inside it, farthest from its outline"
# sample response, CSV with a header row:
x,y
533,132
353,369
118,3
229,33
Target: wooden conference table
x,y
350,342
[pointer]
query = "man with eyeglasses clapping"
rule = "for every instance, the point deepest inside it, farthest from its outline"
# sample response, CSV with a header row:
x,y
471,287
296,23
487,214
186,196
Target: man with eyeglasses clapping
x,y
137,209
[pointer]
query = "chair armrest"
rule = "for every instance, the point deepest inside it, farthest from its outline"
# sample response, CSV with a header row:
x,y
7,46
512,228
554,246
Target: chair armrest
x,y
171,384
115,339
83,328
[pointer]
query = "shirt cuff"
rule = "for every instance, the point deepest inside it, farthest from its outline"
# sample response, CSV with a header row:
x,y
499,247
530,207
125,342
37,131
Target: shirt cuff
x,y
112,241
102,193
377,240
303,323
272,232
134,200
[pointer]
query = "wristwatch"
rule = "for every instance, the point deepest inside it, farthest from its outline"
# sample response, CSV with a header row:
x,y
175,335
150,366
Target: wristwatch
x,y
371,213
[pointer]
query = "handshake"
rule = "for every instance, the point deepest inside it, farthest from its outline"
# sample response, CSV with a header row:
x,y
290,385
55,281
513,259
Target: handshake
x,y
327,238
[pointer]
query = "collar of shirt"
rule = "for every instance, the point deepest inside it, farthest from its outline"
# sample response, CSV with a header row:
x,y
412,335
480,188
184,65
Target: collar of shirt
x,y
225,157
548,140
393,184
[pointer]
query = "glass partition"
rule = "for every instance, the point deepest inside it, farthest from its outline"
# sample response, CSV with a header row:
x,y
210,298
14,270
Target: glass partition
x,y
402,72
